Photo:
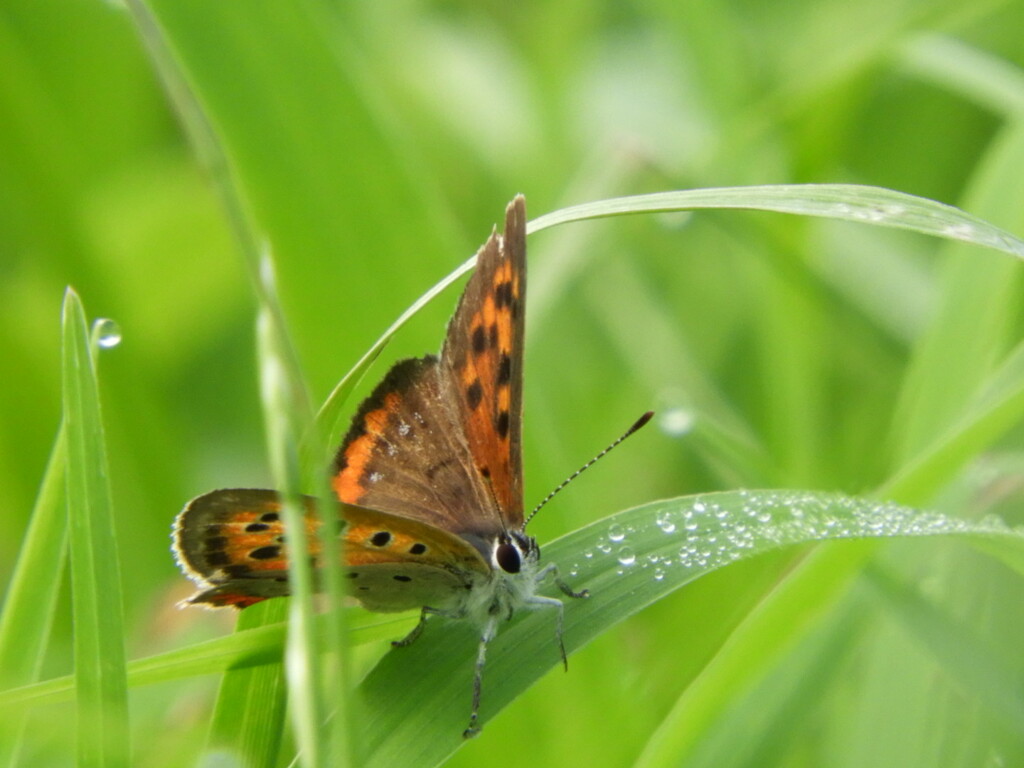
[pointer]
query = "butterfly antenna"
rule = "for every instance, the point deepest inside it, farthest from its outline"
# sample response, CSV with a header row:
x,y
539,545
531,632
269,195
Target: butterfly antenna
x,y
639,423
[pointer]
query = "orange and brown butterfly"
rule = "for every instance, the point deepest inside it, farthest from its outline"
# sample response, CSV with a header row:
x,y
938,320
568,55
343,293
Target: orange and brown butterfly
x,y
429,478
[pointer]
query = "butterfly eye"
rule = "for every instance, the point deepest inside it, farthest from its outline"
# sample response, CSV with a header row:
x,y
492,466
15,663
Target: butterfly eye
x,y
507,557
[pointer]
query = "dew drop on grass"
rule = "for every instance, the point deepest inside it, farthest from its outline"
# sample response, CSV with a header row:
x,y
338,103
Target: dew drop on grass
x,y
665,522
615,533
627,556
106,333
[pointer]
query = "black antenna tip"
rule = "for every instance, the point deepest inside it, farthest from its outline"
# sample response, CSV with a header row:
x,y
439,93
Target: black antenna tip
x,y
642,421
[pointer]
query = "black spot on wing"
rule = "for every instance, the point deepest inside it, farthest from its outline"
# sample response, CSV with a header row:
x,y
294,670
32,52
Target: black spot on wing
x,y
265,553
501,424
474,394
479,340
503,294
504,370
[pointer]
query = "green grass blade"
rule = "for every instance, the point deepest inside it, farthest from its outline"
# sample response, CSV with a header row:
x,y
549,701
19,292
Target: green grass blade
x,y
248,717
997,409
844,202
994,83
976,315
763,705
100,678
248,647
282,395
628,561
961,650
285,401
30,602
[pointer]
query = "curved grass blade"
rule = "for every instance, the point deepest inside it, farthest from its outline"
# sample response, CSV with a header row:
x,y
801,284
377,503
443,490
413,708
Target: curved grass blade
x,y
100,680
628,561
846,202
849,202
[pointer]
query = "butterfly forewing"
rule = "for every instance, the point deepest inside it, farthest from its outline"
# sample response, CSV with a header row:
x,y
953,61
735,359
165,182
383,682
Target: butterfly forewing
x,y
438,441
482,362
405,454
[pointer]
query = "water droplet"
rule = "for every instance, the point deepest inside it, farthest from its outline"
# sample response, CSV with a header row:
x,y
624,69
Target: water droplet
x,y
627,556
615,532
106,333
659,574
604,547
664,521
676,422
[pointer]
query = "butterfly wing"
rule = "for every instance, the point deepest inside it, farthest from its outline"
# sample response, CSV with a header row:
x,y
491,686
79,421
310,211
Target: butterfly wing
x,y
232,544
438,440
482,363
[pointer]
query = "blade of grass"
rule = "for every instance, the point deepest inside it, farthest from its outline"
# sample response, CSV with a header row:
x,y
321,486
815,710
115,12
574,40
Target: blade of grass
x,y
100,678
845,202
282,399
628,561
30,602
286,407
787,691
976,316
258,646
994,83
997,409
248,717
960,650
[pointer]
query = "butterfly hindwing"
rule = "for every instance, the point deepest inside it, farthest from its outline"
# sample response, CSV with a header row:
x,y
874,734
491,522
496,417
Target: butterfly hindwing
x,y
232,543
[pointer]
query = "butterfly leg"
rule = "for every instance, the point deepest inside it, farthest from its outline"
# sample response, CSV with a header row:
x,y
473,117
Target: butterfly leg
x,y
539,600
418,629
489,630
552,570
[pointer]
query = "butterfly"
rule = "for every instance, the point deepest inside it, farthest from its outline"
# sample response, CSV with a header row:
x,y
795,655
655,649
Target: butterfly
x,y
429,478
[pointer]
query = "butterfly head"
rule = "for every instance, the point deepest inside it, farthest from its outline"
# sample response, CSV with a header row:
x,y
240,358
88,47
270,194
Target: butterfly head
x,y
511,550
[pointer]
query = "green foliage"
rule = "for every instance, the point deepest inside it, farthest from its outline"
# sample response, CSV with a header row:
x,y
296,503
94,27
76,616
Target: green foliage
x,y
189,166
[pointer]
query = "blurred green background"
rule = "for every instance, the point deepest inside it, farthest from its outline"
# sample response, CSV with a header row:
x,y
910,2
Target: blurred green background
x,y
376,144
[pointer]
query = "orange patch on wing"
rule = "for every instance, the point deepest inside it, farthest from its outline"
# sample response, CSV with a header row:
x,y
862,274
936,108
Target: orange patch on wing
x,y
347,484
